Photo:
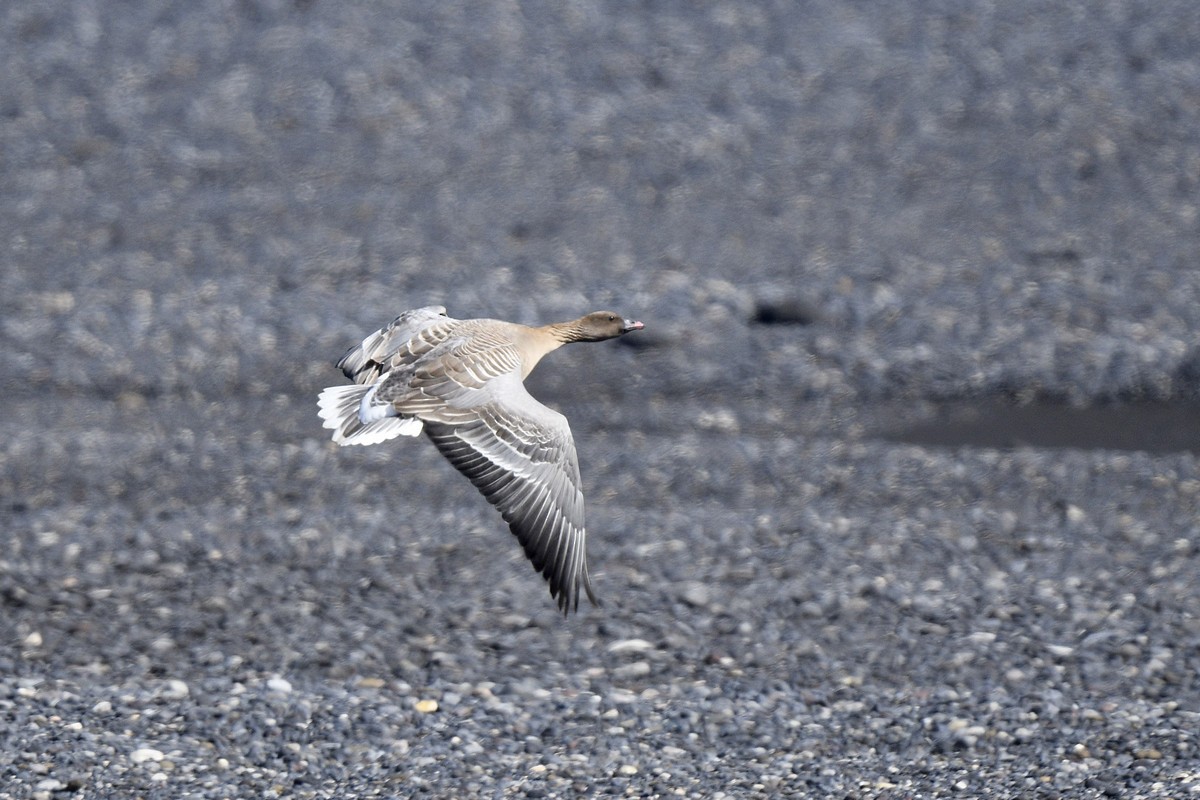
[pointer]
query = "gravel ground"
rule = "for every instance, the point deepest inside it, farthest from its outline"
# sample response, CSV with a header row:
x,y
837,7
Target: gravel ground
x,y
834,220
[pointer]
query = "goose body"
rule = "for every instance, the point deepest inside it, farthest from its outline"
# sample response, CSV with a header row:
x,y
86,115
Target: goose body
x,y
461,383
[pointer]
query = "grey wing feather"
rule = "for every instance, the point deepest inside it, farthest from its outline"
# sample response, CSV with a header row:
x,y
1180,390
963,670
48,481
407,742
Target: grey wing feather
x,y
364,363
521,457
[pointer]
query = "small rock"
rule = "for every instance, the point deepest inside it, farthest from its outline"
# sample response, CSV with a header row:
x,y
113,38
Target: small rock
x,y
174,690
281,685
427,706
144,754
638,669
722,420
627,769
696,594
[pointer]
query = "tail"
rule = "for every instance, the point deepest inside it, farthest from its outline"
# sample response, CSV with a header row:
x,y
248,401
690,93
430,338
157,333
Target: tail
x,y
349,413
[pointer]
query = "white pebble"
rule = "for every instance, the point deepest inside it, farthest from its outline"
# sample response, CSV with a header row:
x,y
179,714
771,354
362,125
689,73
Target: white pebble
x,y
282,685
175,690
145,754
637,669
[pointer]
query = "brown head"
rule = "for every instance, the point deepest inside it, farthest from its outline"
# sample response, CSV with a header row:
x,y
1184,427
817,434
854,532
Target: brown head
x,y
597,326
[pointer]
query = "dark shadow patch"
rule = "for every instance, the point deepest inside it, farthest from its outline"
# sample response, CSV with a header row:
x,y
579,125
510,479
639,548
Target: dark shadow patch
x,y
1147,427
787,311
1051,255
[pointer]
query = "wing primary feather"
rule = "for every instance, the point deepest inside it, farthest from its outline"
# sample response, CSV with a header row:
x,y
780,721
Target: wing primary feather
x,y
539,499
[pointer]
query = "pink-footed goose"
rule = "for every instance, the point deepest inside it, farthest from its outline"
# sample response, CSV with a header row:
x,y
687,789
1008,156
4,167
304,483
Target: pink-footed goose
x,y
461,382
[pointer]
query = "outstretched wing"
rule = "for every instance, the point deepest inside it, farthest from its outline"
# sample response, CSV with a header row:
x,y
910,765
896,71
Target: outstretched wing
x,y
521,457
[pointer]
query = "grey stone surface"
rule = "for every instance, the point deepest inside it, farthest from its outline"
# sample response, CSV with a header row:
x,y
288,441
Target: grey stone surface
x,y
202,204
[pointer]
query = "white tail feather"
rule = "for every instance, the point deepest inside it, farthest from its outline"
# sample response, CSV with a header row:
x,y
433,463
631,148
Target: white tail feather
x,y
342,408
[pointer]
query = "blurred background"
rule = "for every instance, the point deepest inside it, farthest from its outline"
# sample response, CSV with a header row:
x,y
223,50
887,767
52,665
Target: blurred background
x,y
912,424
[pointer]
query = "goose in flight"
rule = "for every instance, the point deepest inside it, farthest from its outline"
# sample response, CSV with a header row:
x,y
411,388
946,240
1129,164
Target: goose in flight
x,y
462,383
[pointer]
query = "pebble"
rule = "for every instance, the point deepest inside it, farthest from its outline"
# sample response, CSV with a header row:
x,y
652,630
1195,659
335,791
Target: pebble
x,y
696,594
175,690
144,754
637,669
